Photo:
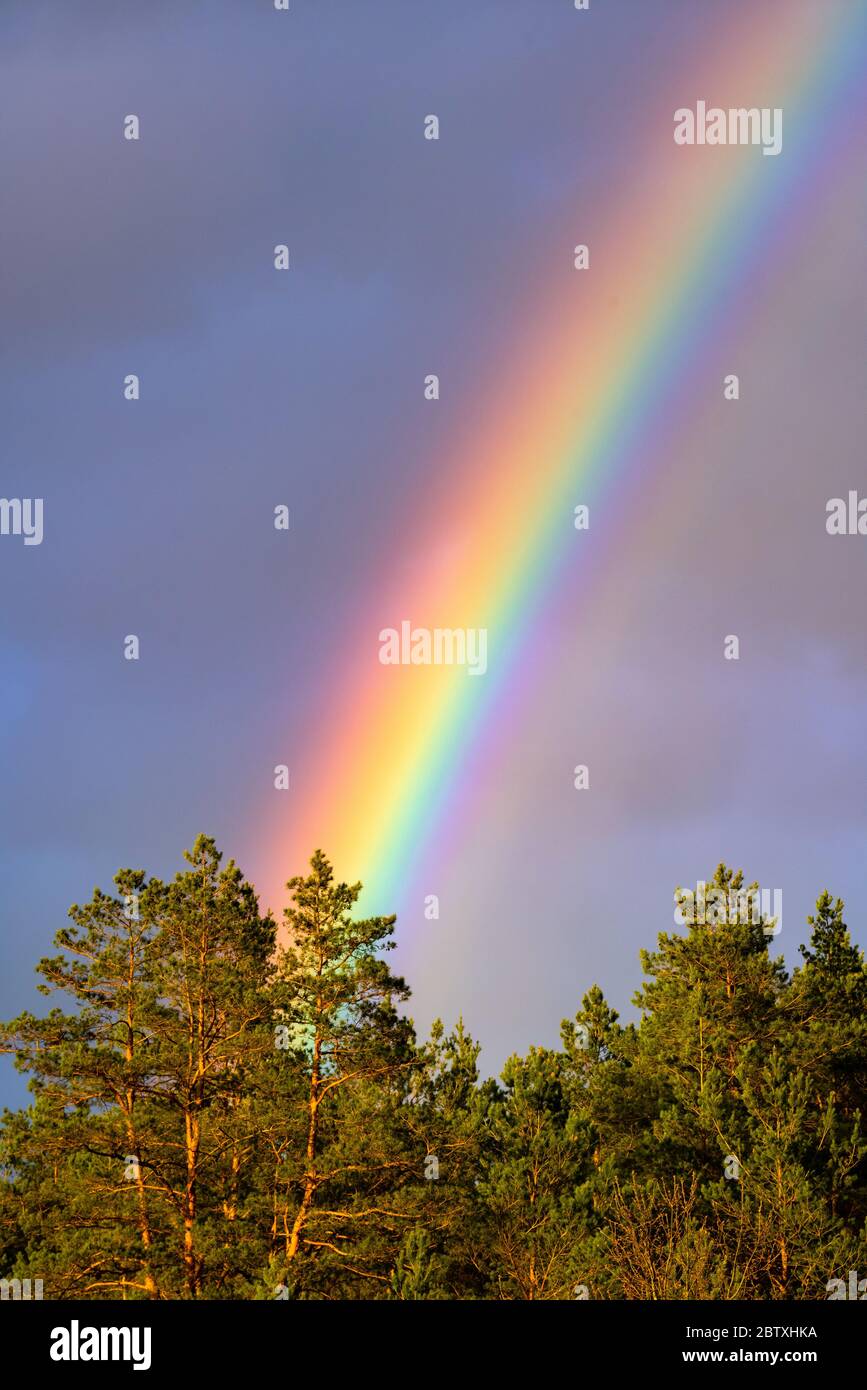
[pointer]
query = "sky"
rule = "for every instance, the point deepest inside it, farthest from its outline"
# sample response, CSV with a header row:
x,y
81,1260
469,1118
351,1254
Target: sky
x,y
305,388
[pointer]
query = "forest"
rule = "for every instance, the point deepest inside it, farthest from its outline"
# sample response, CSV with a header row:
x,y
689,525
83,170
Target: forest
x,y
224,1111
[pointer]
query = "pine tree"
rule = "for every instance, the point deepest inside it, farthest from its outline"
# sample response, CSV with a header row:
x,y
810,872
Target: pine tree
x,y
828,1012
129,1136
444,1117
336,1209
534,1185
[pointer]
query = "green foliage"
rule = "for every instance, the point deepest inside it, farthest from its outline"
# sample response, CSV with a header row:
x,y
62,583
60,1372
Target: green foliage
x,y
216,1115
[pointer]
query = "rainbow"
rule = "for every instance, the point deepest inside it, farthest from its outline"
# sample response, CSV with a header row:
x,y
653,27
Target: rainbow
x,y
607,363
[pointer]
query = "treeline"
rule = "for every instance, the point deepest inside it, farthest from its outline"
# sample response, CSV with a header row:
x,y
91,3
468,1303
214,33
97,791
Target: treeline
x,y
221,1117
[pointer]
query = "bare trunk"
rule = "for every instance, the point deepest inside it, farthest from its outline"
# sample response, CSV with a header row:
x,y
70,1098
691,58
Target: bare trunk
x,y
191,1264
310,1174
133,1144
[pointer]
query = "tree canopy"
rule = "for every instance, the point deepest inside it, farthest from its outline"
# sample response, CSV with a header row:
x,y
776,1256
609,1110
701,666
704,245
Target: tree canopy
x,y
217,1115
